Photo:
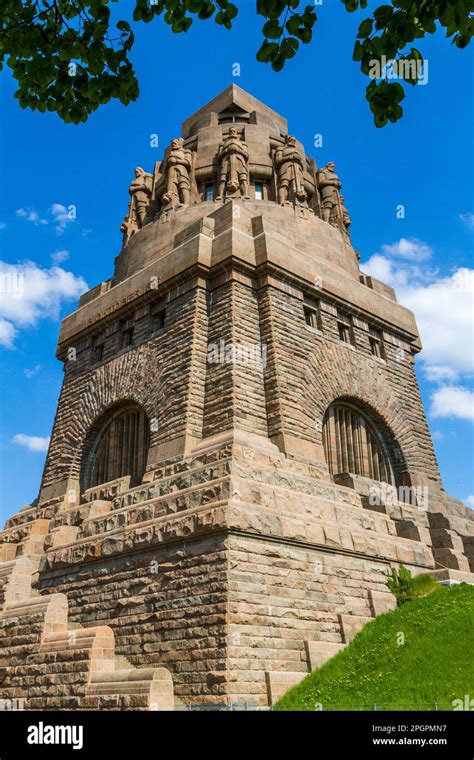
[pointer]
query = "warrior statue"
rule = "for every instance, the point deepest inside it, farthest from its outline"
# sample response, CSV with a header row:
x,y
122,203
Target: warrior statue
x,y
140,192
346,219
289,167
329,186
233,157
177,169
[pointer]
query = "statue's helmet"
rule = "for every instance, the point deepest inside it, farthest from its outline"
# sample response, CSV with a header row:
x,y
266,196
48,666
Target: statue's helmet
x,y
139,171
176,142
291,140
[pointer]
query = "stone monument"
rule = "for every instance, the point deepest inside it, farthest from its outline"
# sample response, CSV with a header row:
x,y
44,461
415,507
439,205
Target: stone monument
x,y
240,455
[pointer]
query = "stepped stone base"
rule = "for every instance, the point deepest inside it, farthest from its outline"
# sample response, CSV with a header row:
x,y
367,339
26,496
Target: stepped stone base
x,y
227,576
320,652
48,665
210,370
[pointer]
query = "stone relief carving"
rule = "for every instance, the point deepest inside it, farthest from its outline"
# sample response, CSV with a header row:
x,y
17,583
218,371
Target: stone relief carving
x,y
173,184
329,186
233,157
140,193
346,219
332,202
177,170
289,170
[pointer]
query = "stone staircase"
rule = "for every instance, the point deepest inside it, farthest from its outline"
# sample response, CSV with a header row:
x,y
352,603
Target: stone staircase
x,y
51,664
319,652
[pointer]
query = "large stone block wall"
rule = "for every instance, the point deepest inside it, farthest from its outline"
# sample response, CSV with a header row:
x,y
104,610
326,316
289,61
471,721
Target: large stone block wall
x,y
227,568
226,600
235,393
47,663
305,370
165,374
166,607
281,596
310,368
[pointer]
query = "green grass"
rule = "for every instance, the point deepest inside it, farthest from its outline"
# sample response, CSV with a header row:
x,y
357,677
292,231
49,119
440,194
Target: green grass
x,y
435,664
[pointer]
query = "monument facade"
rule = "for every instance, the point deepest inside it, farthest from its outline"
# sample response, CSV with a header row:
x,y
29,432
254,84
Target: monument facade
x,y
240,455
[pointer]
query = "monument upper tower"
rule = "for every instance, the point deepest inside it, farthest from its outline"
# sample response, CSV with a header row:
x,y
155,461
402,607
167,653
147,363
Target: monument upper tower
x,y
234,148
240,454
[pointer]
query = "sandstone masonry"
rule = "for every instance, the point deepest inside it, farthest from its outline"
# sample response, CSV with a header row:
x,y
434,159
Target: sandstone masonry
x,y
253,395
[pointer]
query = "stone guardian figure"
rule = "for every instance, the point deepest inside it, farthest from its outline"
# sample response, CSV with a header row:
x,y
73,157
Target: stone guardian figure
x,y
346,219
140,193
233,158
289,168
177,170
329,186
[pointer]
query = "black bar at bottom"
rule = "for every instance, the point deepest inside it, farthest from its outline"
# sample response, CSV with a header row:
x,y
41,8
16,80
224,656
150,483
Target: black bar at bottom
x,y
136,735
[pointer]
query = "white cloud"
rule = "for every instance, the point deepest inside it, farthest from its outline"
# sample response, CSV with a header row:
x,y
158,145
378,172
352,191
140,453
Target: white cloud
x,y
469,501
31,442
62,216
30,293
452,401
411,249
7,333
439,374
59,256
30,215
29,373
381,268
468,219
437,435
444,310
443,307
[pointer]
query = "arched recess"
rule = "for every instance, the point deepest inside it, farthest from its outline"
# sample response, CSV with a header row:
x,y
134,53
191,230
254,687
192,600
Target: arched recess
x,y
357,441
116,445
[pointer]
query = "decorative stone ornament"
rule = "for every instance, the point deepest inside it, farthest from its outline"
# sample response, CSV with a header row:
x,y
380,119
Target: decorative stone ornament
x,y
289,168
177,169
140,192
329,187
346,219
233,157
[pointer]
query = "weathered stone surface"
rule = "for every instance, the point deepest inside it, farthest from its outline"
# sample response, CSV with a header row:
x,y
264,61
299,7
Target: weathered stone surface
x,y
320,652
235,561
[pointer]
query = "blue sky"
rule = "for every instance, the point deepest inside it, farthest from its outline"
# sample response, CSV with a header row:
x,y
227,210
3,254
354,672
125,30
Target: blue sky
x,y
424,162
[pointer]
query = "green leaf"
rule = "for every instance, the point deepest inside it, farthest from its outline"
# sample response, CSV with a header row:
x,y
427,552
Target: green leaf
x,y
383,13
365,29
272,29
266,51
289,47
351,5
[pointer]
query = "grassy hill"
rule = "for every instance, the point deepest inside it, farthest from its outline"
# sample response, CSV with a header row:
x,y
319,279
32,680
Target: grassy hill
x,y
435,664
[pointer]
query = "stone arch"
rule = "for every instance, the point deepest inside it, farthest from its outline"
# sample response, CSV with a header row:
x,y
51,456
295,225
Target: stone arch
x,y
385,460
116,444
84,398
346,376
